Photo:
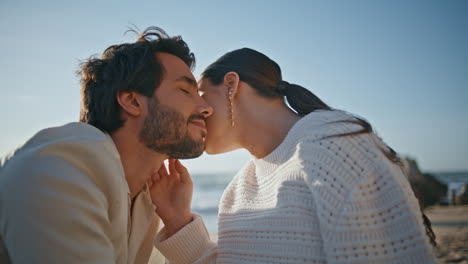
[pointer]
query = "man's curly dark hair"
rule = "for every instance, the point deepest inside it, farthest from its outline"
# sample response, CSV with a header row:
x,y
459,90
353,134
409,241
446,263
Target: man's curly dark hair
x,y
125,67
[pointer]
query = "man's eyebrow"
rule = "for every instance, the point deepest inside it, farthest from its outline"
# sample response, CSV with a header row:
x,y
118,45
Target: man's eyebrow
x,y
188,80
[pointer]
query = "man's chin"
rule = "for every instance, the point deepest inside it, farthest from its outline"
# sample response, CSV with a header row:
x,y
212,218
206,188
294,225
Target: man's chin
x,y
190,155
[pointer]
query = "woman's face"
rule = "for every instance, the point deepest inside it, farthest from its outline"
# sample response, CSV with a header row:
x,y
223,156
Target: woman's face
x,y
219,138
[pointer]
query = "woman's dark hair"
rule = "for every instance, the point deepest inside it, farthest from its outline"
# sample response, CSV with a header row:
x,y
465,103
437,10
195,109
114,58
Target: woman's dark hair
x,y
264,76
125,67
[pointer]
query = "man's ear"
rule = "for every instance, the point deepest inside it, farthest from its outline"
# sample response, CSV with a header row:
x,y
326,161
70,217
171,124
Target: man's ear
x,y
232,80
131,102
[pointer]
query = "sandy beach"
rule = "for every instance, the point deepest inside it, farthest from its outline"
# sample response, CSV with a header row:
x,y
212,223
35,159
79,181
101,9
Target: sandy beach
x,y
450,224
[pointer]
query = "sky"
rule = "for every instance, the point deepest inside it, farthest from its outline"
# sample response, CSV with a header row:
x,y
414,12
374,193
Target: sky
x,y
402,65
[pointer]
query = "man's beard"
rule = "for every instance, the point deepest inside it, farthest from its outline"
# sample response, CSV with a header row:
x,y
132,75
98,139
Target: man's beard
x,y
166,131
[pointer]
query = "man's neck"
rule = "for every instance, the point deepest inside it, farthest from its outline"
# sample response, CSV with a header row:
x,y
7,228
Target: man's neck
x,y
139,162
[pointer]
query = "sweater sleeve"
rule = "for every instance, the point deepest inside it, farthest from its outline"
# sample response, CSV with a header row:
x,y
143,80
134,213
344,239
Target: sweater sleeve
x,y
53,209
191,244
367,211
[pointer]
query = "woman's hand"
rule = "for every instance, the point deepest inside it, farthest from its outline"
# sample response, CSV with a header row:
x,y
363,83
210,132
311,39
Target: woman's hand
x,y
171,193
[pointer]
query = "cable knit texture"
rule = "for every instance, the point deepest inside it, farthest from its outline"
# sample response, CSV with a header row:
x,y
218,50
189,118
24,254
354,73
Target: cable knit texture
x,y
315,199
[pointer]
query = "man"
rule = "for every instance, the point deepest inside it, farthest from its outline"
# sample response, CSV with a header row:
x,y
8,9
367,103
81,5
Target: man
x,y
82,193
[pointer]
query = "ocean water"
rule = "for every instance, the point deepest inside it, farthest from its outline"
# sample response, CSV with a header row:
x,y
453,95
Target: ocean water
x,y
451,177
207,191
456,182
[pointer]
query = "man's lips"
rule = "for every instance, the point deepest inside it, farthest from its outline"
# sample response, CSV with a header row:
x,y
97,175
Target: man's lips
x,y
200,123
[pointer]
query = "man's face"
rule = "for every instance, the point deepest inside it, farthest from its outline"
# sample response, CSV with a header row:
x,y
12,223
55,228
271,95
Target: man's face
x,y
175,122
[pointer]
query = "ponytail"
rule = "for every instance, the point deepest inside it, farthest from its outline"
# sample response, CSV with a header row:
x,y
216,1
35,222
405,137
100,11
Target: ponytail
x,y
300,99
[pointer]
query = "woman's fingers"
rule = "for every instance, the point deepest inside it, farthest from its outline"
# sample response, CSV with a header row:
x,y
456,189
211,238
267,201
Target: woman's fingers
x,y
172,170
177,172
183,172
161,177
155,177
163,171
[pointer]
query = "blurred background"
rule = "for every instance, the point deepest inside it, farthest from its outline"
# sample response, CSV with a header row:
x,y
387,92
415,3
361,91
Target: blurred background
x,y
402,65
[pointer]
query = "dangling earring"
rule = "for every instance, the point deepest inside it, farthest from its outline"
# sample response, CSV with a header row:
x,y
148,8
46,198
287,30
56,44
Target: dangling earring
x,y
231,108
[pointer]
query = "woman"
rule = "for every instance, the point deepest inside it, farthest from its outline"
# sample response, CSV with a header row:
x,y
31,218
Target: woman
x,y
321,186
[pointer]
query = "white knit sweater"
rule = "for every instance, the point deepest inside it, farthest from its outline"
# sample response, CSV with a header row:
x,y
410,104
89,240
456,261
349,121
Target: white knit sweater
x,y
312,200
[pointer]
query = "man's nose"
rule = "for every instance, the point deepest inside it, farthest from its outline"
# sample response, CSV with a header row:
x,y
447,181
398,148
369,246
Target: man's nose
x,y
204,108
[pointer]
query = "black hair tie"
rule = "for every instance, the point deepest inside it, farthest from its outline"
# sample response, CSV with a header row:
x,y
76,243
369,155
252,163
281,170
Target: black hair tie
x,y
282,86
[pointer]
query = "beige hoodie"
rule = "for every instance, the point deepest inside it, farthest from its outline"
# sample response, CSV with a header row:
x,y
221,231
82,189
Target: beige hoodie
x,y
64,199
